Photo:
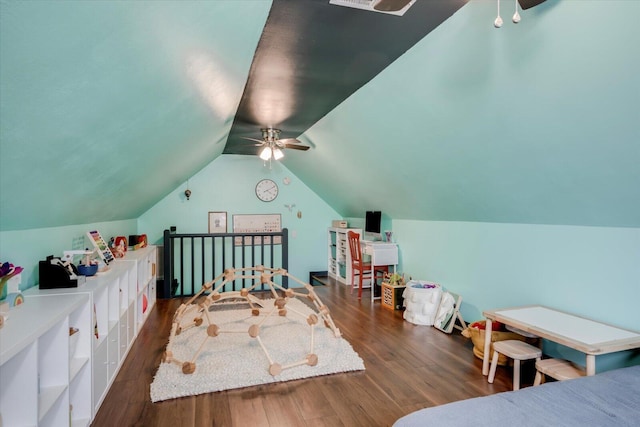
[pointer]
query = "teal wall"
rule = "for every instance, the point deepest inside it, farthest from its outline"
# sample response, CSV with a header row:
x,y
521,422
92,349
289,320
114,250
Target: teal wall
x,y
589,271
26,247
228,184
534,123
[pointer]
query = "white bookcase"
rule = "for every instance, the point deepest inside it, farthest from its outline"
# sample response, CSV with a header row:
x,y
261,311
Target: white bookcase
x,y
339,256
109,323
143,288
40,380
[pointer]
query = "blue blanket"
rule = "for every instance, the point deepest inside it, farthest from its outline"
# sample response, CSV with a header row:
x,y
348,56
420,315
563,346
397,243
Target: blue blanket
x,y
608,399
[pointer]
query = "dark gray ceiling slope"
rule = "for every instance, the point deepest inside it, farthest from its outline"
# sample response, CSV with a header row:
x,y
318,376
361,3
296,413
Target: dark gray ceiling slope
x,y
313,55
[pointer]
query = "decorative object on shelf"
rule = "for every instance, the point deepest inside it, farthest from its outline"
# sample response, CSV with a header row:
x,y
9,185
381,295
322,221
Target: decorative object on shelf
x,y
8,270
118,246
87,270
266,190
15,299
217,222
137,241
88,266
55,273
99,243
10,277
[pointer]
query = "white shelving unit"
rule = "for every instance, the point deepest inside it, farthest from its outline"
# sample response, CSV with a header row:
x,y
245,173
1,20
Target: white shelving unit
x,y
39,377
339,256
109,324
144,291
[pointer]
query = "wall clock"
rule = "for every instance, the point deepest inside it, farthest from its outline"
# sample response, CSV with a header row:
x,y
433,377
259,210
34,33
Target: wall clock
x,y
266,190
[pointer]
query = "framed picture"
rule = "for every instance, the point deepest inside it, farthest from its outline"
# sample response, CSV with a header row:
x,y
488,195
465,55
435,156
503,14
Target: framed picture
x,y
217,222
257,223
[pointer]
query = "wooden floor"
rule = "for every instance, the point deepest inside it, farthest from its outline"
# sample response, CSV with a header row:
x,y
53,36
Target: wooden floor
x,y
408,367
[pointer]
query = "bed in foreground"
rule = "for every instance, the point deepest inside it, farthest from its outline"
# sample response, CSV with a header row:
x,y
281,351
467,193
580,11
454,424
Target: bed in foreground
x,y
608,399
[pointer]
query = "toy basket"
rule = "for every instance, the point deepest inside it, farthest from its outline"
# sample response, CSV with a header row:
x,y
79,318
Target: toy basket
x,y
476,332
421,300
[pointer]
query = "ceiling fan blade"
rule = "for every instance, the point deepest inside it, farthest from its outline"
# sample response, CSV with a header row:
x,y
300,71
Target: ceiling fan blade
x,y
290,141
296,147
254,139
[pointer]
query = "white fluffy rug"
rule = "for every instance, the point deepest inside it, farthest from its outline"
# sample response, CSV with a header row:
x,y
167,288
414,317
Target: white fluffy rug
x,y
235,360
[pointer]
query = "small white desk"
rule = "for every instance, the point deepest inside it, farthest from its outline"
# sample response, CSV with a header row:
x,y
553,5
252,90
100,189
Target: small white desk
x,y
381,253
585,335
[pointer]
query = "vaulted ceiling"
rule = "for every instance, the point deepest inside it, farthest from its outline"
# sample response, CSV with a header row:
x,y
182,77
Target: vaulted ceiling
x,y
530,123
312,56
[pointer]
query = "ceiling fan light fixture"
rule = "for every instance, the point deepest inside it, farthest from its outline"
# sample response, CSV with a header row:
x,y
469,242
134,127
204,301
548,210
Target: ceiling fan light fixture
x,y
265,154
277,153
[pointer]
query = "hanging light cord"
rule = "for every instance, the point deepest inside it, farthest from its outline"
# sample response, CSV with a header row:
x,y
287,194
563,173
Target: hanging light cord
x,y
498,22
516,15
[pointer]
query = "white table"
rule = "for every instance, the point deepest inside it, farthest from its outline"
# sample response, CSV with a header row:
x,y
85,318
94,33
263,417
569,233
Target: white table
x,y
381,253
582,334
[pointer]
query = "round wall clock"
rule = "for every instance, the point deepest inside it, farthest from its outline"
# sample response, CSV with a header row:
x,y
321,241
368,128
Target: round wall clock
x,y
266,190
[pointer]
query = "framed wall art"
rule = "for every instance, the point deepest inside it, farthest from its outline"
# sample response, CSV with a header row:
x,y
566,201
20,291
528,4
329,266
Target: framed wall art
x,y
217,222
257,223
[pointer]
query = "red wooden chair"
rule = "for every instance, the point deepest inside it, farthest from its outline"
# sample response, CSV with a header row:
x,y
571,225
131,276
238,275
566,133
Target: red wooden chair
x,y
362,269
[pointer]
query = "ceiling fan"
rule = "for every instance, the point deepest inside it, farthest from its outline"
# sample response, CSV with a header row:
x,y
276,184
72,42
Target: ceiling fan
x,y
272,146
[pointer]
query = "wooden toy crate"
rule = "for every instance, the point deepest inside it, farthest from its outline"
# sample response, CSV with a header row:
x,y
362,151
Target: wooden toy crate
x,y
392,296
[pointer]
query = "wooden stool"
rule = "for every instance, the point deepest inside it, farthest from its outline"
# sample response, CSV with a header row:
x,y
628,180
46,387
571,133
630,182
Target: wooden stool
x,y
558,369
516,350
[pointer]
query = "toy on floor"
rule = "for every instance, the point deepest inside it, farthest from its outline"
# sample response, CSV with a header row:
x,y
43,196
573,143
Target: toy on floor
x,y
190,314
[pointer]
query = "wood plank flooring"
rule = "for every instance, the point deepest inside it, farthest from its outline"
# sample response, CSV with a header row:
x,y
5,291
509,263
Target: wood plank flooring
x,y
408,367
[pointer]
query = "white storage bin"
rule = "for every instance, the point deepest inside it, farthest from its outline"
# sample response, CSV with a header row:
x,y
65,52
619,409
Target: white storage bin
x,y
421,301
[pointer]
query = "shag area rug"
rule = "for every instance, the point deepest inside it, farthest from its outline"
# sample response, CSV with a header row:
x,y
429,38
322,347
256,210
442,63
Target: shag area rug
x,y
235,360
